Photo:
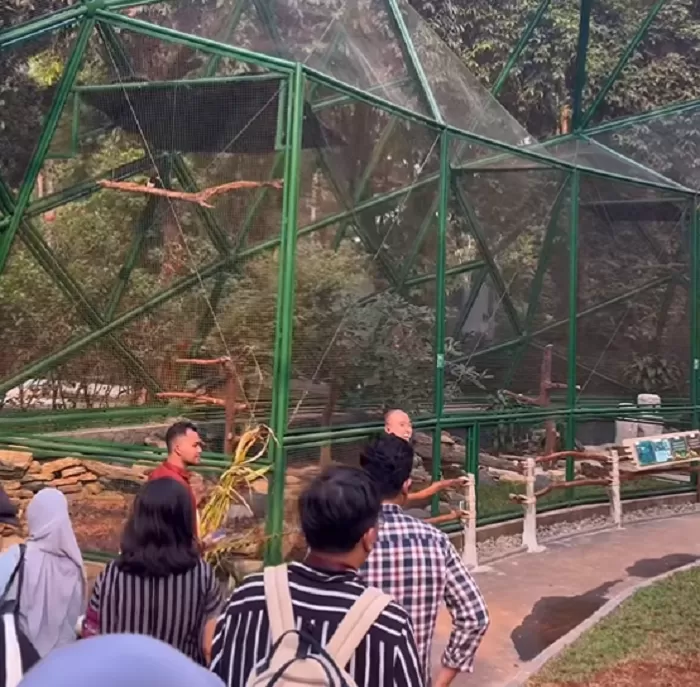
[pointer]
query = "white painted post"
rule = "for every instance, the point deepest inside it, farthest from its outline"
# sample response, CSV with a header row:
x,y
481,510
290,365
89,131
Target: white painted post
x,y
470,554
530,505
615,499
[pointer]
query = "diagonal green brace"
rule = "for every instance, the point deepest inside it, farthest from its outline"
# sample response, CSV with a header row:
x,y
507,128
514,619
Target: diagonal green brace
x,y
519,47
624,59
190,282
47,133
45,257
488,258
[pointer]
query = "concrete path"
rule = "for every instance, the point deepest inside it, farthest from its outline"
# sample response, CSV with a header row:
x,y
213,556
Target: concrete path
x,y
534,599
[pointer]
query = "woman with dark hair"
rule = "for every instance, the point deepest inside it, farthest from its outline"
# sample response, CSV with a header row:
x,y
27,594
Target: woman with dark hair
x,y
159,585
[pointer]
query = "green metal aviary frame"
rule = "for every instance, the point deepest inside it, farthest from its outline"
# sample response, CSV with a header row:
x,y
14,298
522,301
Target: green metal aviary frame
x,y
431,238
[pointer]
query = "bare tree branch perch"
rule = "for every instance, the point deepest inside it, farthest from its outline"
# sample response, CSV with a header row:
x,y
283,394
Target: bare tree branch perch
x,y
200,197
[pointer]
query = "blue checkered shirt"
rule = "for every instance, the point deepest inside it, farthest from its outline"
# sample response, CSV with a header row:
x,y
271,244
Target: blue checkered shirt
x,y
420,568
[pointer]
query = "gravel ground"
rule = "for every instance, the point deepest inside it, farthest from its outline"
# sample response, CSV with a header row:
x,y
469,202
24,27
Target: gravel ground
x,y
496,548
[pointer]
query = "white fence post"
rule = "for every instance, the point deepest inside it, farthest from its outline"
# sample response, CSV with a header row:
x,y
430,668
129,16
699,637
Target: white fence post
x,y
530,505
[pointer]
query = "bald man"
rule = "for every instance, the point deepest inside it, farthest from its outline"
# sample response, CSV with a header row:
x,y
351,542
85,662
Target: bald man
x,y
398,422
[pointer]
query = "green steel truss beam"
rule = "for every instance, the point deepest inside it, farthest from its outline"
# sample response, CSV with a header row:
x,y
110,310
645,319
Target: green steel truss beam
x,y
624,58
519,47
216,234
622,123
506,345
495,273
479,279
231,26
195,42
423,232
138,239
413,61
584,26
47,260
47,132
37,27
543,262
375,158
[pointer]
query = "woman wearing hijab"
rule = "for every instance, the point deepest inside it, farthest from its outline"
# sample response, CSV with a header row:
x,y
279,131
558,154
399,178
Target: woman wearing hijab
x,y
52,594
119,661
159,585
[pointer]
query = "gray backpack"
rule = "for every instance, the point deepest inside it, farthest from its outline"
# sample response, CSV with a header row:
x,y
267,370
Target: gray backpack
x,y
288,665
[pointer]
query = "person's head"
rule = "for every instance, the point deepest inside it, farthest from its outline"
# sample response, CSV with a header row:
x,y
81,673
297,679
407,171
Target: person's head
x,y
398,423
159,538
47,515
388,460
339,512
49,525
119,660
184,443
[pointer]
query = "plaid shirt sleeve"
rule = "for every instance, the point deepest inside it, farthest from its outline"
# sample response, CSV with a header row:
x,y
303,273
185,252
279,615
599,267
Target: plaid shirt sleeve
x,y
467,607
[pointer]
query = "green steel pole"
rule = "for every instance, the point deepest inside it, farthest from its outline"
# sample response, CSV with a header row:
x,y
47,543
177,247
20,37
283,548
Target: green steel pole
x,y
571,389
631,46
49,128
439,383
694,314
473,446
285,314
584,26
520,46
694,302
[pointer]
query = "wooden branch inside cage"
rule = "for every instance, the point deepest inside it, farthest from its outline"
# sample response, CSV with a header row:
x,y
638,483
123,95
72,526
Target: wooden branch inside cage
x,y
200,197
198,398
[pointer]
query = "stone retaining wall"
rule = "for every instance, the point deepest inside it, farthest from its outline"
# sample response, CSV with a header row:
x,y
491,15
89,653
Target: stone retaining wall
x,y
22,476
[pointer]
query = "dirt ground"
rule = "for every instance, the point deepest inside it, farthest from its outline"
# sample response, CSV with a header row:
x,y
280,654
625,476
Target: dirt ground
x,y
672,671
98,521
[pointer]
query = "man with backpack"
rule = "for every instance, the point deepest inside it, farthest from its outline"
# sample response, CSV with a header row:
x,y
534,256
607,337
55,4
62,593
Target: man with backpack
x,y
316,623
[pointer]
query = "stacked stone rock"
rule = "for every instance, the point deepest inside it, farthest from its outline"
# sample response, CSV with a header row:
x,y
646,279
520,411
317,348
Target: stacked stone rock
x,y
22,476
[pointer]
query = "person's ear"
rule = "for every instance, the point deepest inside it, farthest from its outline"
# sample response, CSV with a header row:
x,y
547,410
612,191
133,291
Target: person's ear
x,y
406,487
369,539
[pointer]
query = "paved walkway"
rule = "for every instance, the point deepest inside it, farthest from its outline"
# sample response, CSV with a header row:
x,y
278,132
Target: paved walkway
x,y
534,599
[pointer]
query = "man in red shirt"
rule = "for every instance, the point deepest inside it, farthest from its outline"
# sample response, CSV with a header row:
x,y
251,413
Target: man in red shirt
x,y
184,450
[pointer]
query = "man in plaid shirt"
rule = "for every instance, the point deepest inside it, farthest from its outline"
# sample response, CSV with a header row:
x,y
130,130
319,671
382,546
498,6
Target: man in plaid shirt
x,y
419,567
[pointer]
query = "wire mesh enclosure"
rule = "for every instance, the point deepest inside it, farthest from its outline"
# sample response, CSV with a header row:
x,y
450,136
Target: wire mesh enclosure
x,y
327,194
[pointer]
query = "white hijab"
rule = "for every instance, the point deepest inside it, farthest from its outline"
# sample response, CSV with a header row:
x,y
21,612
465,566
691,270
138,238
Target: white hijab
x,y
53,591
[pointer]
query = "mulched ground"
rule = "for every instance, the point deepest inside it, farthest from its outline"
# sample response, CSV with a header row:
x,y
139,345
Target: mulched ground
x,y
671,671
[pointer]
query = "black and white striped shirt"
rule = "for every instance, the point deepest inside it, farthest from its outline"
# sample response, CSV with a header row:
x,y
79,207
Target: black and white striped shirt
x,y
173,609
387,656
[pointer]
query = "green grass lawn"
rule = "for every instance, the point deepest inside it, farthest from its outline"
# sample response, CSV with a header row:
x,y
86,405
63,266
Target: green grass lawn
x,y
659,624
493,499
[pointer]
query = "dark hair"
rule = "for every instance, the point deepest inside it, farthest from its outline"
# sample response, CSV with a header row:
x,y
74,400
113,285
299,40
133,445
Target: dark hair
x,y
337,508
177,430
158,539
388,460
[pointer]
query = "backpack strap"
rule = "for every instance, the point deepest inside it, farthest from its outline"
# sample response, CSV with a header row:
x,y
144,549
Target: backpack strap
x,y
356,624
278,599
20,579
18,570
